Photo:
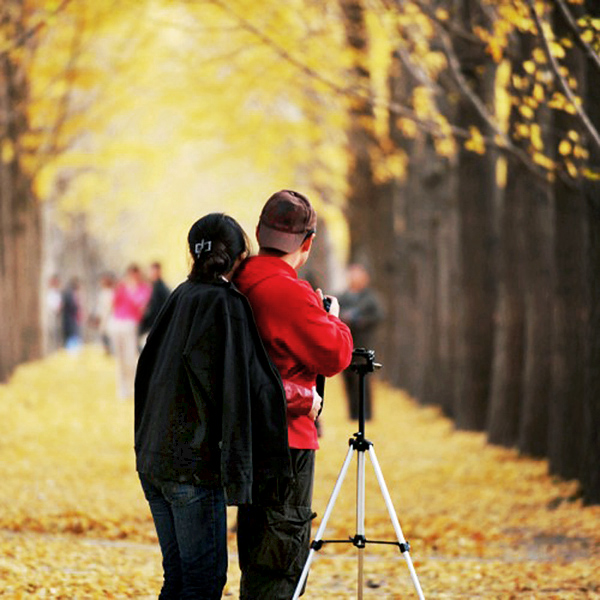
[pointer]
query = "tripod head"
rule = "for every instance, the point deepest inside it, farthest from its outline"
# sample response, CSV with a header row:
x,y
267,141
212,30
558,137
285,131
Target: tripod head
x,y
363,362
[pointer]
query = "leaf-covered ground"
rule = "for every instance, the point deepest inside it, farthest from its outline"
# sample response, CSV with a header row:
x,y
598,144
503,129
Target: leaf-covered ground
x,y
482,521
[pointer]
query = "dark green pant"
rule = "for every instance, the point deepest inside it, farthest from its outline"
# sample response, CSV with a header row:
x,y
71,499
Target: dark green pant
x,y
274,533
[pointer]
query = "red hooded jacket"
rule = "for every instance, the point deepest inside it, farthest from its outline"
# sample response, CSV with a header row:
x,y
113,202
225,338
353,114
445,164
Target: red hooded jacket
x,y
301,338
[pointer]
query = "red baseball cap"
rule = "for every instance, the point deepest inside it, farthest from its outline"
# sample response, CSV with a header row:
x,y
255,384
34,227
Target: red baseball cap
x,y
287,219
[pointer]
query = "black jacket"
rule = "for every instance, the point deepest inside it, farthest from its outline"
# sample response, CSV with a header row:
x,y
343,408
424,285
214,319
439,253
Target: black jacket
x,y
209,405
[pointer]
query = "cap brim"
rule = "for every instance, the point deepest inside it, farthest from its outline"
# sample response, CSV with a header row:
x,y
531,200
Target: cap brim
x,y
279,240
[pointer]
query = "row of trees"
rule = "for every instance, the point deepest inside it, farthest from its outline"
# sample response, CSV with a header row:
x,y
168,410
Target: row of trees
x,y
488,253
56,61
460,138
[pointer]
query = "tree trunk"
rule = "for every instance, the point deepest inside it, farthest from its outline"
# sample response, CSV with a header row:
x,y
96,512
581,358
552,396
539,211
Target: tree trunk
x,y
590,476
568,368
538,281
571,309
507,374
447,297
363,196
20,229
590,472
475,193
413,295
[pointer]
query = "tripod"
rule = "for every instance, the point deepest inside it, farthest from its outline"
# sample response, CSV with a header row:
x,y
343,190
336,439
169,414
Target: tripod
x,y
363,364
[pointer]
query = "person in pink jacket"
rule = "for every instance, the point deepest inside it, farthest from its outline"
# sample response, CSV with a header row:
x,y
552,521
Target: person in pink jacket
x,y
130,299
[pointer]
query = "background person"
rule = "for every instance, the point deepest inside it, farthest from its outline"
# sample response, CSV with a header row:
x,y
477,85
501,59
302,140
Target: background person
x,y
71,315
303,340
104,310
362,311
209,413
159,295
53,305
129,302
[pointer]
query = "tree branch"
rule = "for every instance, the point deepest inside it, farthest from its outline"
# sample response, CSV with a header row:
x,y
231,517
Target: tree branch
x,y
480,107
395,108
426,125
475,100
587,123
26,35
570,20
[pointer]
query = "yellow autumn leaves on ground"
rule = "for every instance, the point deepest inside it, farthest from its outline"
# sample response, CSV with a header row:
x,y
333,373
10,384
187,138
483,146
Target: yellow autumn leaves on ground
x,y
482,521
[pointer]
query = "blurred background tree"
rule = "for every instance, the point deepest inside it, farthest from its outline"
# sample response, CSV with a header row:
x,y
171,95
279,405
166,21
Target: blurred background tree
x,y
452,146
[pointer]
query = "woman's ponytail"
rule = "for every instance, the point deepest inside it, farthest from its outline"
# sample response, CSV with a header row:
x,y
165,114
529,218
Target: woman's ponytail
x,y
215,242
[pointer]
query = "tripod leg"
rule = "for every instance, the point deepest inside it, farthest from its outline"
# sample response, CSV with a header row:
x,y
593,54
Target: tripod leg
x,y
323,525
395,523
360,519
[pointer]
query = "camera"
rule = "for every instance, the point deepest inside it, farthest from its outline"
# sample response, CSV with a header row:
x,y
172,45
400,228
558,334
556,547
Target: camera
x,y
326,303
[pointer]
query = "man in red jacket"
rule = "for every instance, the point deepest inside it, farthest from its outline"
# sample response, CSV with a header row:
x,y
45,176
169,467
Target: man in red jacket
x,y
303,340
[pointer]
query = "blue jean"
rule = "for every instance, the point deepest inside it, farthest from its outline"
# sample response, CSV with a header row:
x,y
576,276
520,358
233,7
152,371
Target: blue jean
x,y
191,524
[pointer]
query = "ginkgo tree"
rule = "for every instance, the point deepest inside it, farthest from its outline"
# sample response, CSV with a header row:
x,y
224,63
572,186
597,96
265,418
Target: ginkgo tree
x,y
458,138
487,265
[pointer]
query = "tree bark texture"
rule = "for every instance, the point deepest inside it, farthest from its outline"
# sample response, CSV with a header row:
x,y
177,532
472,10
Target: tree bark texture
x,y
507,374
538,281
363,194
20,230
590,473
571,308
475,194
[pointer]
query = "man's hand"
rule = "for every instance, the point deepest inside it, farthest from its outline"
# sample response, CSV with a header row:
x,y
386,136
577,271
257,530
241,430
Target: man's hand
x,y
334,308
317,403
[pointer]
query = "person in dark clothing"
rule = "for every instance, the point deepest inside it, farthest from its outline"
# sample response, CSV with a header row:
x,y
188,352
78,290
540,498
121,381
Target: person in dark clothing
x,y
71,315
159,295
210,413
362,311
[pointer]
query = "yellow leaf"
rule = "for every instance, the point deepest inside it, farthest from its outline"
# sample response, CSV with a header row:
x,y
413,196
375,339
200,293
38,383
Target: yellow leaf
x,y
536,137
539,56
445,146
571,169
422,102
529,67
564,148
407,126
522,130
526,111
557,50
591,175
7,153
588,36
543,161
475,143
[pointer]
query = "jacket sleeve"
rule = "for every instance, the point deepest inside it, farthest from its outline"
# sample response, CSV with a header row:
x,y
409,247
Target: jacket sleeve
x,y
236,425
316,339
299,398
254,443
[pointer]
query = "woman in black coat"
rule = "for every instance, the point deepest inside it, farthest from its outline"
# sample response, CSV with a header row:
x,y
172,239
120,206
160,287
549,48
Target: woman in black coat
x,y
210,413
